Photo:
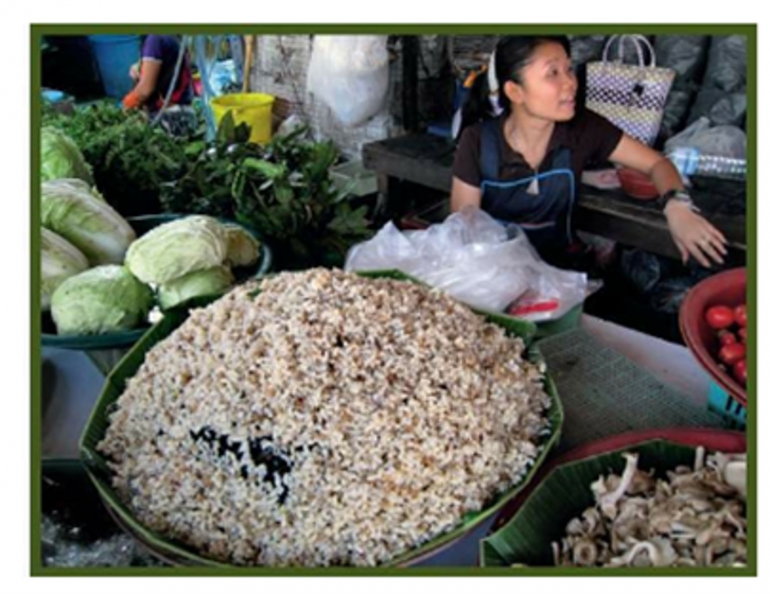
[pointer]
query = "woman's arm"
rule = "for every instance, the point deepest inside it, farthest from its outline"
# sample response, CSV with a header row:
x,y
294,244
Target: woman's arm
x,y
692,234
148,79
633,154
463,195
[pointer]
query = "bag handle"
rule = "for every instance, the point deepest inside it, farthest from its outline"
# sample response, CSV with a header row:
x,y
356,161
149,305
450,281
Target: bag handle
x,y
635,39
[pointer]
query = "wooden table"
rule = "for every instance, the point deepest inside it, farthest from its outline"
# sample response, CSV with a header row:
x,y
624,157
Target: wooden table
x,y
426,160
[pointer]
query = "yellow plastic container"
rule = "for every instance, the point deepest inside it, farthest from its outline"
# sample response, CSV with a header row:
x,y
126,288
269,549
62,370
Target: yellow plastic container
x,y
255,109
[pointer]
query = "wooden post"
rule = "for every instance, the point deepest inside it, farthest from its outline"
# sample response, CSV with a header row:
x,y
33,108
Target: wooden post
x,y
247,62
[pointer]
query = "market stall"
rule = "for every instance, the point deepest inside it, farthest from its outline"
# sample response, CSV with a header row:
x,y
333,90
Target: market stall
x,y
251,357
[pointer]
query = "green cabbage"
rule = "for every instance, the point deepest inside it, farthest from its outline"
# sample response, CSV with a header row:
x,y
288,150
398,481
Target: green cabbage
x,y
74,184
100,300
59,260
212,281
242,246
82,217
177,248
61,158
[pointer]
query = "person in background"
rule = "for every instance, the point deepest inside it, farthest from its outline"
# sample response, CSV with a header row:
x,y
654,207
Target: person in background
x,y
523,145
154,73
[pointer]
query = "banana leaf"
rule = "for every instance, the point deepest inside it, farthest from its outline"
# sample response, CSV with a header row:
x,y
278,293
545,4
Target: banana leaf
x,y
177,552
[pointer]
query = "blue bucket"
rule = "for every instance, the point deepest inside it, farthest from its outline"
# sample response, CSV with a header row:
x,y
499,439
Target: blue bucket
x,y
115,54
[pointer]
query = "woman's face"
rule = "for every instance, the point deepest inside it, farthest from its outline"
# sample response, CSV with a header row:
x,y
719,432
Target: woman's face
x,y
548,85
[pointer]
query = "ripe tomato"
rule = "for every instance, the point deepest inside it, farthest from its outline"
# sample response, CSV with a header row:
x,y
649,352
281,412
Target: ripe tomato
x,y
740,372
740,315
720,316
731,353
726,337
743,333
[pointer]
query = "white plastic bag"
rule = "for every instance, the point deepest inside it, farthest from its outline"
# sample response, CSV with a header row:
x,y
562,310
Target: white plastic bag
x,y
479,262
715,141
349,73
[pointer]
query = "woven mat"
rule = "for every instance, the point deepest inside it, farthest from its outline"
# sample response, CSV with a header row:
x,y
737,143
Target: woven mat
x,y
604,393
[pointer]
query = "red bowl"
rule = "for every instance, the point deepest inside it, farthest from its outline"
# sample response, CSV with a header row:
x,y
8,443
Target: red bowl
x,y
715,440
726,288
636,184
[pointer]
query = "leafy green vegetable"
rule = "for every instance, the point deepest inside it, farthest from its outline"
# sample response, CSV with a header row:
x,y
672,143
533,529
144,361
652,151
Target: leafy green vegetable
x,y
130,159
212,281
175,249
69,208
100,300
282,189
59,260
60,157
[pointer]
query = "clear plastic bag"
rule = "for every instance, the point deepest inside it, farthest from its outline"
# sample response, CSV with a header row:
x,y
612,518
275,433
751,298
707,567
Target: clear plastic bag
x,y
718,151
716,141
350,74
479,262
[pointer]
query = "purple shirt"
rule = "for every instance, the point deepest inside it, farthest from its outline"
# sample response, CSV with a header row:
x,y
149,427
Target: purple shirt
x,y
165,49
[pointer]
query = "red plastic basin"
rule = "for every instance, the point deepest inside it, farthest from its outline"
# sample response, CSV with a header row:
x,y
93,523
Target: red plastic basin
x,y
636,184
726,288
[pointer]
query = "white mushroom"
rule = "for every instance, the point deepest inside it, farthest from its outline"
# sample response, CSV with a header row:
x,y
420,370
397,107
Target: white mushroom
x,y
700,453
691,519
734,475
556,553
575,526
635,556
608,501
584,553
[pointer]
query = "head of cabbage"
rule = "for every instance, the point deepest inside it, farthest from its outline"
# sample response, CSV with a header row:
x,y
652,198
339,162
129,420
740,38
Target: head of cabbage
x,y
100,300
174,249
242,246
61,158
212,281
59,260
78,213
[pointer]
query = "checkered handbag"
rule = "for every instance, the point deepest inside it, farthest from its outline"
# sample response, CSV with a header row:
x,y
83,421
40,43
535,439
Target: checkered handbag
x,y
630,96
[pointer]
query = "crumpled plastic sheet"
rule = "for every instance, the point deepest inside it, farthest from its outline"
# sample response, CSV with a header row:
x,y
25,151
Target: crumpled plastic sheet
x,y
722,108
476,260
64,547
718,141
726,66
685,54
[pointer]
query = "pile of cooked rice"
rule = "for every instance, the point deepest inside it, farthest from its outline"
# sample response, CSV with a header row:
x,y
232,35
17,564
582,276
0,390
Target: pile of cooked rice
x,y
322,418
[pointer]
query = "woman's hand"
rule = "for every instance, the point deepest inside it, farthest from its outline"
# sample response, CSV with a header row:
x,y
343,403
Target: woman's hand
x,y
693,235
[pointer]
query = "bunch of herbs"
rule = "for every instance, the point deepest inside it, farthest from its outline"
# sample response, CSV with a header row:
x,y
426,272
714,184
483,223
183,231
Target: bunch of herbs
x,y
282,189
131,159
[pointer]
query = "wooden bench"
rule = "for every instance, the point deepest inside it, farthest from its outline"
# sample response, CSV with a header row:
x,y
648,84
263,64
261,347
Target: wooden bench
x,y
426,160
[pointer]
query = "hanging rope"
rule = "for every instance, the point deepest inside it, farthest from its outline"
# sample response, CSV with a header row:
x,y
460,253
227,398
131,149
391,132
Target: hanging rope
x,y
174,78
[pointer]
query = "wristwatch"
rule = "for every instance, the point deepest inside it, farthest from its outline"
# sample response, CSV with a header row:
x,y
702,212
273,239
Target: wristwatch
x,y
680,196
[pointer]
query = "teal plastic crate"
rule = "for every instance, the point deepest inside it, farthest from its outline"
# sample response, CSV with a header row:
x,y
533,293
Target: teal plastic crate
x,y
727,406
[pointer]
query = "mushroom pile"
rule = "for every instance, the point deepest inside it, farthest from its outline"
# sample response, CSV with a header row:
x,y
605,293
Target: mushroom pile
x,y
694,518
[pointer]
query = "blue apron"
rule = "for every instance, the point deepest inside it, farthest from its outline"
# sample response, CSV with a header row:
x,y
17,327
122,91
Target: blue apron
x,y
545,217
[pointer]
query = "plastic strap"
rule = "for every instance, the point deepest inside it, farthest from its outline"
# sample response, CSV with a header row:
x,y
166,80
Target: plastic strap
x,y
490,149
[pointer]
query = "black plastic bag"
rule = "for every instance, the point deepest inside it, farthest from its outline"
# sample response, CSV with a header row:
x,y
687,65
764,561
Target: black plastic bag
x,y
685,54
586,48
720,107
675,113
643,269
726,67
